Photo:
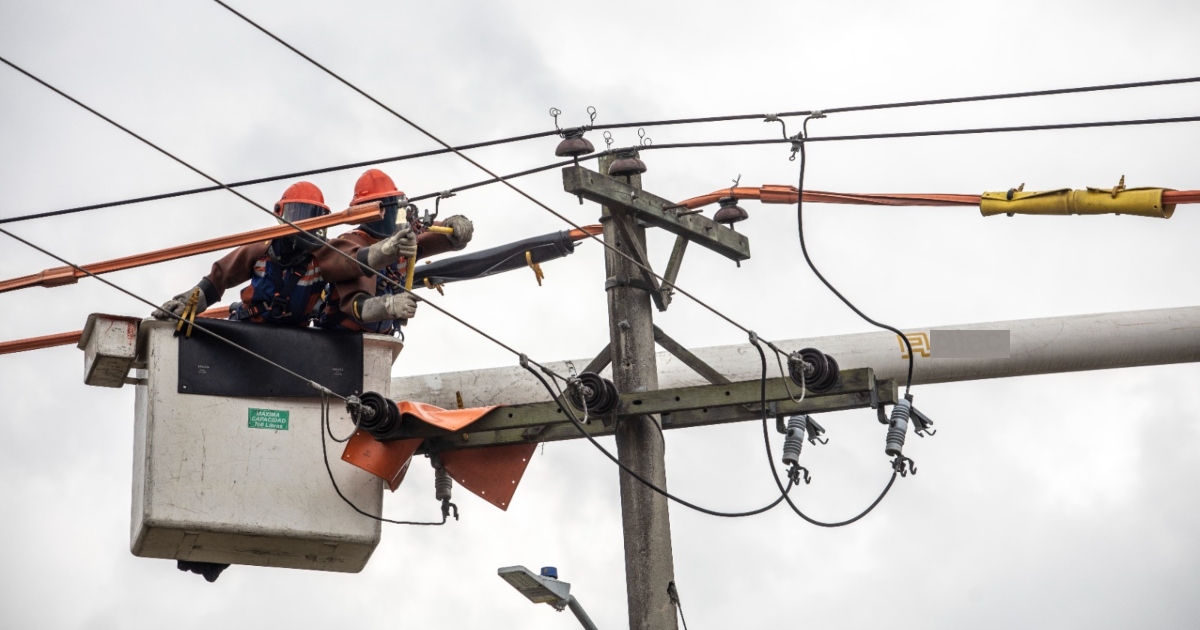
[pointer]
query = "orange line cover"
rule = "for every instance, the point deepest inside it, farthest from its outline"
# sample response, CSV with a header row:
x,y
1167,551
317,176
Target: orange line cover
x,y
57,276
492,473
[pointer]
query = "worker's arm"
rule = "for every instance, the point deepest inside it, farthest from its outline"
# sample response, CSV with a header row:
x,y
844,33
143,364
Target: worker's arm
x,y
433,243
230,270
335,267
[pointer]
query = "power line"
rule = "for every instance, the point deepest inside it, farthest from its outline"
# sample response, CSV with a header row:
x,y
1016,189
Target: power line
x,y
645,123
273,178
829,285
904,104
262,208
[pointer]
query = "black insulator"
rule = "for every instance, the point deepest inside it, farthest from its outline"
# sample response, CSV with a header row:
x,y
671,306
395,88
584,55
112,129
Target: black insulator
x,y
595,394
814,369
573,144
832,377
378,415
897,428
730,212
794,440
443,484
627,165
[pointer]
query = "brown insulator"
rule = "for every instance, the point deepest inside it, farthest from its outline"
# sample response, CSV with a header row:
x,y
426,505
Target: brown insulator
x,y
573,144
730,212
627,165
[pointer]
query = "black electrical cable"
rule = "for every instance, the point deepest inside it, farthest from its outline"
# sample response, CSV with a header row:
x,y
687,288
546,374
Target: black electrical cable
x,y
902,104
925,133
275,178
328,469
808,259
775,472
570,414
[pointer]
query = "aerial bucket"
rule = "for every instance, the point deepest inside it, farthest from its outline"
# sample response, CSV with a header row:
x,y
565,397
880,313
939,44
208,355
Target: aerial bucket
x,y
228,459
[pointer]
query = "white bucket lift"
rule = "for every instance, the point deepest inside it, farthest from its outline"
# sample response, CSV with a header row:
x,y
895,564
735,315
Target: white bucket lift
x,y
237,480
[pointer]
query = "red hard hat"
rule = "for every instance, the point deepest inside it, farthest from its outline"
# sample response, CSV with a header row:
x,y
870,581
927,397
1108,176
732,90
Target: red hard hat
x,y
374,184
301,192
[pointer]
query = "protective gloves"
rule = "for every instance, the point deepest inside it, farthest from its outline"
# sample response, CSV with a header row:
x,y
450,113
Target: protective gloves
x,y
463,230
394,306
402,244
176,305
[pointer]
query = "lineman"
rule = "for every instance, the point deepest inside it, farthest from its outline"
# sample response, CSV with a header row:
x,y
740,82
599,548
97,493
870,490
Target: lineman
x,y
367,302
286,278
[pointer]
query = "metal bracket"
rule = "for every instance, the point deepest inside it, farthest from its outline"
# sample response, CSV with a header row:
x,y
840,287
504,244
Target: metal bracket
x,y
654,211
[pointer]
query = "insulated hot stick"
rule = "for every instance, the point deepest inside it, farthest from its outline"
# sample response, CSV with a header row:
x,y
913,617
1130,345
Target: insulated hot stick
x,y
419,224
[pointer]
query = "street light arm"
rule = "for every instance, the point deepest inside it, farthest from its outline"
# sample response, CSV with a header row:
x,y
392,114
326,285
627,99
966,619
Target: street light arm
x,y
582,616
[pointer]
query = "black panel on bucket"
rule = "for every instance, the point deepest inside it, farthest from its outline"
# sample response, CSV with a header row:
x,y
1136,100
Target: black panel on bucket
x,y
211,367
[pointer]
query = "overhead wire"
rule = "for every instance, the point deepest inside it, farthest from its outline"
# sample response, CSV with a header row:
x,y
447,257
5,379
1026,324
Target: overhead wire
x,y
904,104
324,243
275,178
620,125
821,277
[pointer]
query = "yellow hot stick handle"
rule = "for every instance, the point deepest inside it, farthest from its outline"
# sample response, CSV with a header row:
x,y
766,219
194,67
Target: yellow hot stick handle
x,y
440,229
408,274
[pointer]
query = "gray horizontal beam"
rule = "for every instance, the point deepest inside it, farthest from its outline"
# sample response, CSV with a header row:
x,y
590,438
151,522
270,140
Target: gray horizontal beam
x,y
679,408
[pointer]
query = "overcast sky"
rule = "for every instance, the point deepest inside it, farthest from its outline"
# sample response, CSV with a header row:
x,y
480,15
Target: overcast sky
x,y
1063,501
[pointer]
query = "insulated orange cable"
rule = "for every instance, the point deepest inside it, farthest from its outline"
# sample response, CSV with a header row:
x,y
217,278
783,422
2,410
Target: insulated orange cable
x,y
69,338
57,276
772,193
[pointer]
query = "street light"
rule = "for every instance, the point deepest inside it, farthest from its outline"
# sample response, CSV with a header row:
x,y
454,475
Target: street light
x,y
546,589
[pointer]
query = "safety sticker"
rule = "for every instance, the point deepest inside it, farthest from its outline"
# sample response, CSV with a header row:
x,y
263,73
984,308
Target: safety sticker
x,y
276,419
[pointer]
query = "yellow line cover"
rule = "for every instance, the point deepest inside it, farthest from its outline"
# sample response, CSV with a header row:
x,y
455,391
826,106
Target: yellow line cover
x,y
1142,202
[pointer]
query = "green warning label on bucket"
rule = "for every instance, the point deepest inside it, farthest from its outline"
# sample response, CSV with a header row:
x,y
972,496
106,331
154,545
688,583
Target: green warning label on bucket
x,y
268,419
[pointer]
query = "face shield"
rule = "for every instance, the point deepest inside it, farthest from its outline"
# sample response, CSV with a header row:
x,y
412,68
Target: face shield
x,y
293,244
392,208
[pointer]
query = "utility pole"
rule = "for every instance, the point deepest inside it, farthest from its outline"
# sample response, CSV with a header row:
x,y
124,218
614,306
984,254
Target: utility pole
x,y
649,563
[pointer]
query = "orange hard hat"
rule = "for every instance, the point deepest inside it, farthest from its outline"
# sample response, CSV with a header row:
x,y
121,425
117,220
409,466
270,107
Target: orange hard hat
x,y
374,184
301,192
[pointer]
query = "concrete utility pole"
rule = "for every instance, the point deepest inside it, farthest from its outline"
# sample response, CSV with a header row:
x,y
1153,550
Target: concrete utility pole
x,y
649,563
